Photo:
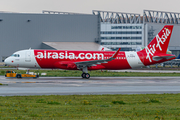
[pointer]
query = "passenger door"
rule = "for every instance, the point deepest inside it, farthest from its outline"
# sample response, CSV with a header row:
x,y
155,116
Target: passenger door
x,y
28,56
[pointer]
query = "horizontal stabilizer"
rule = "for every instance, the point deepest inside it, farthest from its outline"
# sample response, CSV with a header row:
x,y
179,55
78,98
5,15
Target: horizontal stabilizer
x,y
157,58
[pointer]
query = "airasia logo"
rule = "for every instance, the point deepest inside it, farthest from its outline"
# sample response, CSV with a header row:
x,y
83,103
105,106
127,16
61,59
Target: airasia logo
x,y
69,55
160,41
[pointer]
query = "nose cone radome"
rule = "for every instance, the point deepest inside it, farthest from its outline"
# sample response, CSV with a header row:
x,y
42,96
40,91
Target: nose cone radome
x,y
5,61
8,61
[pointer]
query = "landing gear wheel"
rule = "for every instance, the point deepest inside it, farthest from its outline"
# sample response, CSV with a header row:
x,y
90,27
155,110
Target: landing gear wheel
x,y
83,75
87,75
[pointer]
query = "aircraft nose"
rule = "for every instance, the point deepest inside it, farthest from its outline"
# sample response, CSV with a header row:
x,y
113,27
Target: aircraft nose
x,y
7,61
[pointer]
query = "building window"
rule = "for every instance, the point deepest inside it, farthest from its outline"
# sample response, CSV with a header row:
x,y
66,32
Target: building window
x,y
122,32
121,43
138,43
126,27
124,38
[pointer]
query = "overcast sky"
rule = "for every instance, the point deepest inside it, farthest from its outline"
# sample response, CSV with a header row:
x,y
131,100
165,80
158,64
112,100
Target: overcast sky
x,y
86,6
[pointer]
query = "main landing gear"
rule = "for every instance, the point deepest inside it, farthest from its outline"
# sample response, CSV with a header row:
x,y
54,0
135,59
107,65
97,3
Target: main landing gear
x,y
85,73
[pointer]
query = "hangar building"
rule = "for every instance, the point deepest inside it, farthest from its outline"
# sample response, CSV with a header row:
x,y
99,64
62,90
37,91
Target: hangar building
x,y
61,30
37,31
129,31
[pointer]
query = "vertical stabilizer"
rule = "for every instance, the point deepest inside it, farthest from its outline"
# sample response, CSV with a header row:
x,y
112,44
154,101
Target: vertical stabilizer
x,y
161,41
159,44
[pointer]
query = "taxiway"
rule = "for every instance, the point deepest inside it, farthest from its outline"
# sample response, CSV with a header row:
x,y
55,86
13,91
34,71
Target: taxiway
x,y
94,85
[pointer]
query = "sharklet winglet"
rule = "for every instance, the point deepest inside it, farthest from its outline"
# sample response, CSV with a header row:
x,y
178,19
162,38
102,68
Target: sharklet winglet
x,y
116,53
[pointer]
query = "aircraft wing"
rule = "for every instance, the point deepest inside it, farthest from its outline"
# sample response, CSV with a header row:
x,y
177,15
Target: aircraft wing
x,y
83,64
157,58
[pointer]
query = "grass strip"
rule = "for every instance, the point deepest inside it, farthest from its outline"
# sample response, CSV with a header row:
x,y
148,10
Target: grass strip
x,y
110,107
97,73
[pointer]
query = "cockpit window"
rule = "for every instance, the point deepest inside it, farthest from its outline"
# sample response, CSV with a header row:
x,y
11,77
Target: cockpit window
x,y
15,55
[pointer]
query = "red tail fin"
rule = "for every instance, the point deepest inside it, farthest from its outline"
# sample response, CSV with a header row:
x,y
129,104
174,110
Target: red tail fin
x,y
159,44
161,41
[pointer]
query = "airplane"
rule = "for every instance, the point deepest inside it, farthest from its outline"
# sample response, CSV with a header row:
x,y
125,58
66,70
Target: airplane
x,y
153,53
177,58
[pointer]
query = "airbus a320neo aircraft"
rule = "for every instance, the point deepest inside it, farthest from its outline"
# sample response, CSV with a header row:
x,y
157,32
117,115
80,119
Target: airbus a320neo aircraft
x,y
154,53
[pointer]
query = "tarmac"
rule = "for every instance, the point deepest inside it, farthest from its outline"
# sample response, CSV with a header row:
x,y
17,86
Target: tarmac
x,y
94,85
